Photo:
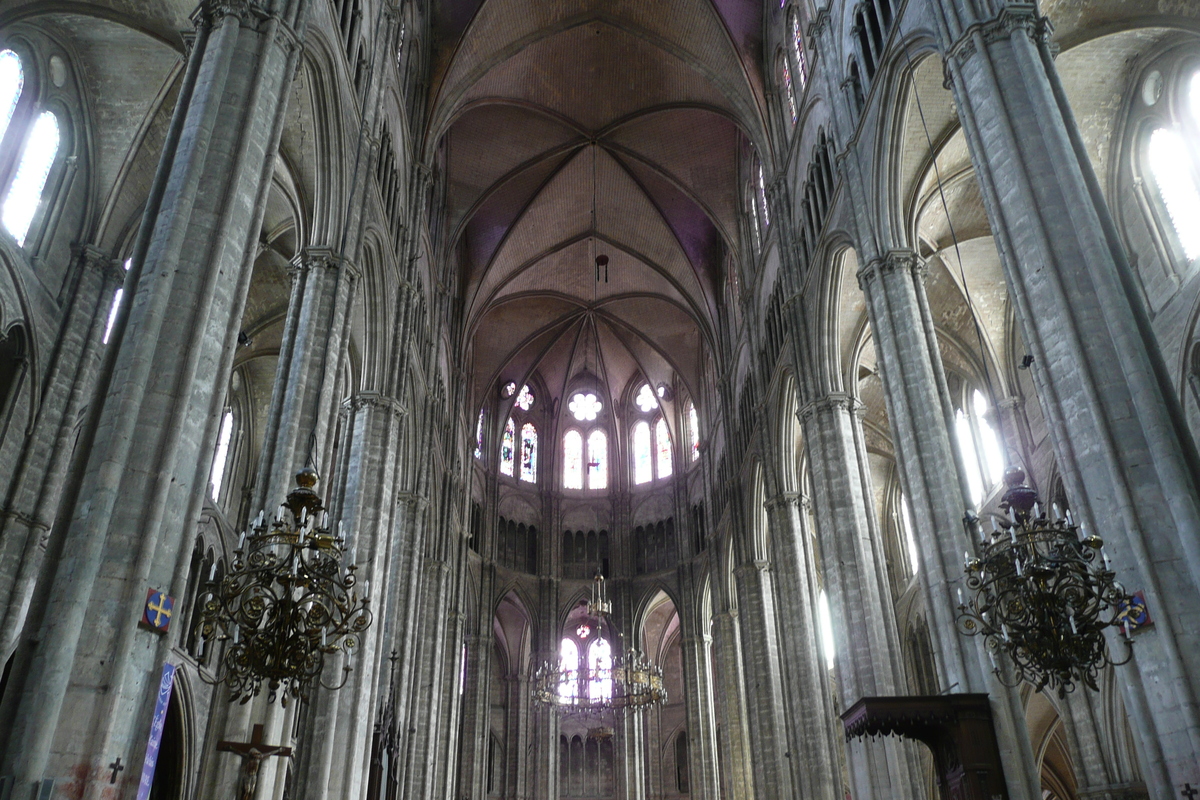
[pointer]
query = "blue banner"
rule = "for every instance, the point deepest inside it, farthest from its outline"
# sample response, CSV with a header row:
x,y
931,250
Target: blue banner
x,y
156,730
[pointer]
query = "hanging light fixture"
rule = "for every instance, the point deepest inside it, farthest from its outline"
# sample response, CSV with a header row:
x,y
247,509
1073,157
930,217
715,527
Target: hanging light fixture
x,y
286,603
1043,593
630,680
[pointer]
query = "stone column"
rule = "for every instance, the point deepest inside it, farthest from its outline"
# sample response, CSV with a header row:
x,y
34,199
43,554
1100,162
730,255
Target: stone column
x,y
126,518
41,467
336,742
869,662
932,475
812,758
1121,439
697,679
311,358
762,655
737,779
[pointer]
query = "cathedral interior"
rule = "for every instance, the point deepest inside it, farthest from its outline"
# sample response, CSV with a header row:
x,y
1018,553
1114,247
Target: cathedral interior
x,y
644,384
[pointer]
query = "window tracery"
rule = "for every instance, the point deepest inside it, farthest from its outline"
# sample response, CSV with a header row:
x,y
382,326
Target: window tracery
x,y
798,51
651,440
693,429
478,433
981,449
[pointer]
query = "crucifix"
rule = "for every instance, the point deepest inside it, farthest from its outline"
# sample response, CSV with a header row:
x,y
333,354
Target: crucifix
x,y
253,751
1189,792
116,767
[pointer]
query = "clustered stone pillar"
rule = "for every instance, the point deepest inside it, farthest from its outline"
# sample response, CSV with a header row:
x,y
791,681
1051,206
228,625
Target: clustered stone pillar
x,y
733,744
41,466
918,411
761,657
698,689
127,513
855,571
1120,437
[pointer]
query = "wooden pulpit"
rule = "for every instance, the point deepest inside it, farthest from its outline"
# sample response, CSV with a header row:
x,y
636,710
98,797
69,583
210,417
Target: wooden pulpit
x,y
956,727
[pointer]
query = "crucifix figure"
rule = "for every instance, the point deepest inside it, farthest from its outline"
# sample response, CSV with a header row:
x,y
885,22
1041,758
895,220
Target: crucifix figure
x,y
116,767
253,751
1189,792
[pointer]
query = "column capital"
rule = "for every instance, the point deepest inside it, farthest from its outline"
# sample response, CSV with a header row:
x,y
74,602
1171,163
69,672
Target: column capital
x,y
892,261
93,258
784,500
834,401
1015,17
375,400
311,258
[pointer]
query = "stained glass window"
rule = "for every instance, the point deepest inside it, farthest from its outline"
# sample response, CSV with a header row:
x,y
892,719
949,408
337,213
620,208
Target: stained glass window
x,y
585,406
507,390
116,303
600,665
798,51
662,441
910,540
966,444
788,90
217,473
762,196
642,464
583,631
525,398
1194,96
508,446
693,429
645,399
993,453
12,80
479,436
568,663
1170,162
573,460
528,452
597,460
40,149
825,623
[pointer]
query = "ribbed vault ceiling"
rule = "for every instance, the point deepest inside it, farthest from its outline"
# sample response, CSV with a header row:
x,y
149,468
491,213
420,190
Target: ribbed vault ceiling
x,y
574,129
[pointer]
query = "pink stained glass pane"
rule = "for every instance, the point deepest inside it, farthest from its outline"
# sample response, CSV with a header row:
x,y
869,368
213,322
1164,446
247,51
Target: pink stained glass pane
x,y
508,445
597,460
572,460
694,430
643,470
479,436
798,49
525,399
528,453
789,90
662,441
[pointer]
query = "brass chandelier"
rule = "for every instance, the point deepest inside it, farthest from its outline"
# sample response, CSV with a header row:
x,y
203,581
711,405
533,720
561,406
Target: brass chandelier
x,y
1044,594
629,680
286,603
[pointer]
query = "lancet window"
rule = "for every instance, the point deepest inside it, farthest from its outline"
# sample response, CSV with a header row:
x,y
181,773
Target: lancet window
x,y
116,304
585,453
1171,159
519,442
29,147
651,440
981,450
789,91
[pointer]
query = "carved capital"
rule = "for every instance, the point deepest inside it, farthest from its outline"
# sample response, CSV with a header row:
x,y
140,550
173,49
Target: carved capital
x,y
820,23
92,258
1015,17
834,401
784,500
376,401
326,258
892,261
